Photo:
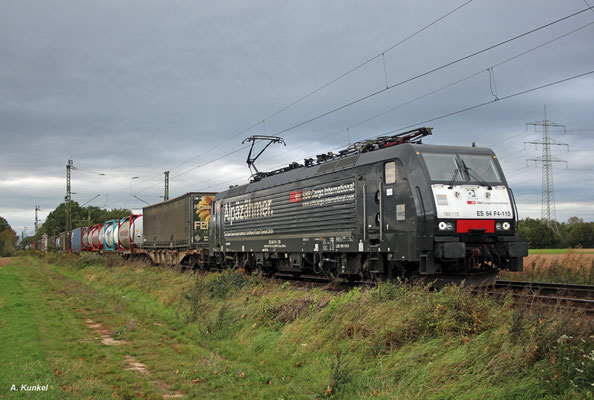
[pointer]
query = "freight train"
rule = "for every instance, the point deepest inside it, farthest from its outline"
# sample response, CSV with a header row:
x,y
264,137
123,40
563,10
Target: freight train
x,y
381,208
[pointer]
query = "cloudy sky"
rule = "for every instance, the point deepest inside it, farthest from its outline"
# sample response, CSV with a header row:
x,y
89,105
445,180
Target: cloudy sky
x,y
133,88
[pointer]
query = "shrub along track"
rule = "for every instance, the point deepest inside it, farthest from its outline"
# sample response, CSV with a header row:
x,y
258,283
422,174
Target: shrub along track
x,y
227,335
575,297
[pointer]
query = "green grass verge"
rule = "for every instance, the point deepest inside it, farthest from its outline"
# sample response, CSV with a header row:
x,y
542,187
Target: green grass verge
x,y
231,336
558,251
572,266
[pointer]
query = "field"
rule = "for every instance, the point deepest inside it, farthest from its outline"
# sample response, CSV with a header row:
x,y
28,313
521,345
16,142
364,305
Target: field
x,y
560,251
558,266
94,328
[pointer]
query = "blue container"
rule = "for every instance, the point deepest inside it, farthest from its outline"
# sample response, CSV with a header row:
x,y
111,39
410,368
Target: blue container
x,y
76,243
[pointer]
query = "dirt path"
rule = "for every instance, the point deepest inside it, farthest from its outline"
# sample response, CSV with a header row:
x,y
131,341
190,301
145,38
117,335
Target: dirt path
x,y
5,261
132,363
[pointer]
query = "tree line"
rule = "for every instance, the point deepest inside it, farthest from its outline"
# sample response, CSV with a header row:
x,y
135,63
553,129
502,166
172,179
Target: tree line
x,y
81,216
8,239
573,233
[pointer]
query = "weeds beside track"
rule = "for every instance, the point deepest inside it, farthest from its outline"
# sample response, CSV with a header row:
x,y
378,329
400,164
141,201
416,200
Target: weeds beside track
x,y
228,335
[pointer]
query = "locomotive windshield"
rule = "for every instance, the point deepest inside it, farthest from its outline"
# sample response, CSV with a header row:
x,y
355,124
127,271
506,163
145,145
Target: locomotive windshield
x,y
466,168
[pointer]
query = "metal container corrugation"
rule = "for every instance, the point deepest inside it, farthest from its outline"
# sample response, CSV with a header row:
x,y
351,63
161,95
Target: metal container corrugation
x,y
181,222
76,240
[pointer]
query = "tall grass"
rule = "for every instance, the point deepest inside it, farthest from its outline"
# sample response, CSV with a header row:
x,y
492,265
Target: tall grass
x,y
572,267
394,341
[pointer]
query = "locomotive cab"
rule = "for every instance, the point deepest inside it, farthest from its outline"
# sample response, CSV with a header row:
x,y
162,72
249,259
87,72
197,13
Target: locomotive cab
x,y
474,219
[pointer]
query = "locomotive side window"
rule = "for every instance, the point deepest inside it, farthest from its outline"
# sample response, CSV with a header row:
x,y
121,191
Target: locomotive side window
x,y
441,167
390,173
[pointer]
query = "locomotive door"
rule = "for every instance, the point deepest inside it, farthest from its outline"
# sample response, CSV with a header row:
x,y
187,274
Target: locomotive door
x,y
372,211
395,198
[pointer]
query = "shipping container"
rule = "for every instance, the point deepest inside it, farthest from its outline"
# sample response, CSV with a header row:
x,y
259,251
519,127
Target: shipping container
x,y
77,240
109,244
62,240
84,233
180,223
130,232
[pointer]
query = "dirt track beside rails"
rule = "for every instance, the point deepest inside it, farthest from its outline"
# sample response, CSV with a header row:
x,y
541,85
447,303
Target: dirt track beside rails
x,y
552,258
4,261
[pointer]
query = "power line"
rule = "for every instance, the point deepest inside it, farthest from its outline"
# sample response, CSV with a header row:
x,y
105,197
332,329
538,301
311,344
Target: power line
x,y
388,87
472,107
436,91
367,61
427,73
183,173
263,121
393,86
492,101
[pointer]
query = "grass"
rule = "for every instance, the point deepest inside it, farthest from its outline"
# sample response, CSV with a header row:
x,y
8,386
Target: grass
x,y
232,336
570,267
559,251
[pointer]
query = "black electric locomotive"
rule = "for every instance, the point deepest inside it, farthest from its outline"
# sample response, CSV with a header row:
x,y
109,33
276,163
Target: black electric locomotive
x,y
380,208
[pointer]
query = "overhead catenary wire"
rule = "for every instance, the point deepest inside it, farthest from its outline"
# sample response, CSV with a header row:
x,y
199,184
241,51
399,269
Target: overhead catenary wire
x,y
388,88
435,91
322,87
503,98
431,93
159,183
373,94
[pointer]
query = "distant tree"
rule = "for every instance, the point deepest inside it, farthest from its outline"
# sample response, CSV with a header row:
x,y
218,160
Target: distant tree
x,y
574,220
8,239
3,224
537,233
581,235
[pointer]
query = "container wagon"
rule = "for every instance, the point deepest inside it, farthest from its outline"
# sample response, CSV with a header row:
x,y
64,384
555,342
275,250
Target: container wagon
x,y
176,230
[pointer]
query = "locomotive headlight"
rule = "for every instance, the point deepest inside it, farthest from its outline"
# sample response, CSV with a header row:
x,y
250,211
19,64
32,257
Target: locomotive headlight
x,y
446,226
503,226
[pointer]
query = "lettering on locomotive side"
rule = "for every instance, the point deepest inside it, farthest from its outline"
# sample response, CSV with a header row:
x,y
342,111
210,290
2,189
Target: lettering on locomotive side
x,y
247,210
325,196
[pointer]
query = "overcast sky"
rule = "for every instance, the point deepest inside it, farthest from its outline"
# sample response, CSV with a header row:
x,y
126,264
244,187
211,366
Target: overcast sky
x,y
133,88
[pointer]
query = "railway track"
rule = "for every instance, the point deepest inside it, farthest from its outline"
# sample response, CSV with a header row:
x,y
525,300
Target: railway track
x,y
554,294
525,293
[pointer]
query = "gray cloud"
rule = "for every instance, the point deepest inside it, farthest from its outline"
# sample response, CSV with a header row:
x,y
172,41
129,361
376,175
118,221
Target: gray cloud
x,y
135,88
